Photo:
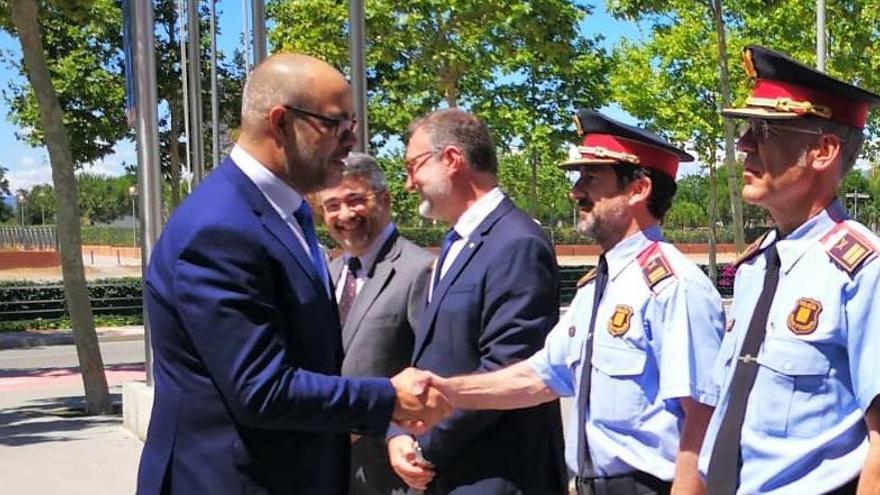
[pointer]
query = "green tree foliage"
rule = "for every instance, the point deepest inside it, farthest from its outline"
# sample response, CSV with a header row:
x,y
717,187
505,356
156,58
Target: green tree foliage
x,y
83,52
5,209
521,66
670,79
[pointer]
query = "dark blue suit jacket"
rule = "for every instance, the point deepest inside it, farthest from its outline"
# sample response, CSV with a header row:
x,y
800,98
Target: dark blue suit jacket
x,y
245,339
494,307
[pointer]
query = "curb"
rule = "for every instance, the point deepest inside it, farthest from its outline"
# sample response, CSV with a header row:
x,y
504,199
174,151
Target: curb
x,y
25,340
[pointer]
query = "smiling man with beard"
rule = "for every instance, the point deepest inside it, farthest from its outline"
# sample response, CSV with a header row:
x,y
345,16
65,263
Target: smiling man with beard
x,y
636,347
380,284
493,298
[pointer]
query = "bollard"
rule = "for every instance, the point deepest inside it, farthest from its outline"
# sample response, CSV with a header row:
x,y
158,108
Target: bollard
x,y
92,255
118,261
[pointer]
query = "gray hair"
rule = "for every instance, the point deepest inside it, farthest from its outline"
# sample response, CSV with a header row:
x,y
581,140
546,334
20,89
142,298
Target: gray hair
x,y
851,139
364,166
453,126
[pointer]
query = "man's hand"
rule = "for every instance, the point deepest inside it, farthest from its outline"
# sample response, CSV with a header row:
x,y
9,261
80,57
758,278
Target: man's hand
x,y
419,405
413,470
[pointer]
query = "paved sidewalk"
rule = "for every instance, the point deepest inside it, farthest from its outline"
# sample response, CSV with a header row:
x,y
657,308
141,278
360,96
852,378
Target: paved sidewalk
x,y
39,338
46,449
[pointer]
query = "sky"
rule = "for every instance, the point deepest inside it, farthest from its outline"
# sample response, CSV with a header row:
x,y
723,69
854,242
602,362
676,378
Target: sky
x,y
27,166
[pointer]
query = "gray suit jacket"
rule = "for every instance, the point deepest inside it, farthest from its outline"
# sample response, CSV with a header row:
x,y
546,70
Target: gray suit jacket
x,y
377,339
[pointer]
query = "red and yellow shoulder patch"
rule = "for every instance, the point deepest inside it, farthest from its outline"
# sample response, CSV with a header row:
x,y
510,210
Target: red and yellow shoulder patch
x,y
655,266
753,250
848,249
587,278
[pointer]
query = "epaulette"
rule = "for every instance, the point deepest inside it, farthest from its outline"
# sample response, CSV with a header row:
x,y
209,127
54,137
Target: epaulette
x,y
587,278
847,248
655,266
753,250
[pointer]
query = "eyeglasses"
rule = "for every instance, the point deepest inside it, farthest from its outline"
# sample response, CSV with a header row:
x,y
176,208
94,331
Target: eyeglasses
x,y
353,201
414,163
761,129
337,124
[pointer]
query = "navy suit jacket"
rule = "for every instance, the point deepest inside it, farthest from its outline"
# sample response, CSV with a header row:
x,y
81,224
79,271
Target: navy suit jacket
x,y
245,340
494,307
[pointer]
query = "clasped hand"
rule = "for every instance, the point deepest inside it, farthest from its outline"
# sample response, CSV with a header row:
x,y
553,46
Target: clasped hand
x,y
420,405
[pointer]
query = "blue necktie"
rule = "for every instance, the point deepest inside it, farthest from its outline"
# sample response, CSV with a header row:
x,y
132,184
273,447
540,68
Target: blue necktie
x,y
448,240
303,215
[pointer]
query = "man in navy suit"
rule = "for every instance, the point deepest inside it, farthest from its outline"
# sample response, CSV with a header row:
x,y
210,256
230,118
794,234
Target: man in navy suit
x,y
492,300
245,333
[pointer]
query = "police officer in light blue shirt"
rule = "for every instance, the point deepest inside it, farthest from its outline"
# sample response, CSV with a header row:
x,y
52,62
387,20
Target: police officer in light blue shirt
x,y
799,370
637,345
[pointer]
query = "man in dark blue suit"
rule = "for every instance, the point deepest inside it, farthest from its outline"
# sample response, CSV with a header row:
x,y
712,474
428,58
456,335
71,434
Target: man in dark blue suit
x,y
245,334
492,300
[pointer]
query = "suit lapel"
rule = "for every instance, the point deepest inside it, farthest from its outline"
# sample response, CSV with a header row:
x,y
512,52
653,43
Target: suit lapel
x,y
382,271
271,220
464,257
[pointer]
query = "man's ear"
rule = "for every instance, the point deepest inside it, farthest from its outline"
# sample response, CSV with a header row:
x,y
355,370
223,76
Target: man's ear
x,y
825,152
452,158
640,190
278,121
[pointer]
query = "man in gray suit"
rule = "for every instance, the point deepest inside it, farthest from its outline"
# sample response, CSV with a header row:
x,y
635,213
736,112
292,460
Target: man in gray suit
x,y
380,281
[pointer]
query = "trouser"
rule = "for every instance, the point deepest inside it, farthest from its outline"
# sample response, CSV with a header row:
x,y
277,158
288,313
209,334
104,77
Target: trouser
x,y
637,483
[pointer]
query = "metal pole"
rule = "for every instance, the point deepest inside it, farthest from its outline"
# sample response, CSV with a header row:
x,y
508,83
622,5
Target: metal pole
x,y
258,11
356,42
246,36
820,35
195,90
215,105
147,146
184,90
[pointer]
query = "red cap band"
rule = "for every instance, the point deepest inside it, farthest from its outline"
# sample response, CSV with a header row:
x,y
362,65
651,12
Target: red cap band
x,y
844,111
649,156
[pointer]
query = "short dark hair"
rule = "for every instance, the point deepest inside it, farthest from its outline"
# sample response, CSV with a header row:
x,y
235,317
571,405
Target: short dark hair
x,y
663,187
453,126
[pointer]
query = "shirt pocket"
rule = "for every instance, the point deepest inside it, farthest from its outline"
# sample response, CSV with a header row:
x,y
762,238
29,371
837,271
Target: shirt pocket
x,y
617,395
790,397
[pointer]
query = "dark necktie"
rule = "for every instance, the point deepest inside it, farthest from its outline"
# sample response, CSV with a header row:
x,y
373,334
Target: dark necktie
x,y
448,240
349,290
303,215
724,465
585,463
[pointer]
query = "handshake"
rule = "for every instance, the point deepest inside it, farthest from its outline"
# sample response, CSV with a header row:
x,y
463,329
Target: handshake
x,y
422,400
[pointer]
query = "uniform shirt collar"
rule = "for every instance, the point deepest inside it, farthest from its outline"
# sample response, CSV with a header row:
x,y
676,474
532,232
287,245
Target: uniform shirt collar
x,y
474,216
369,258
283,198
799,241
625,252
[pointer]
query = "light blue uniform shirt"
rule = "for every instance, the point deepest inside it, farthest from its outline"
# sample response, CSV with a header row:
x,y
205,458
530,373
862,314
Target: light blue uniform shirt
x,y
667,339
804,429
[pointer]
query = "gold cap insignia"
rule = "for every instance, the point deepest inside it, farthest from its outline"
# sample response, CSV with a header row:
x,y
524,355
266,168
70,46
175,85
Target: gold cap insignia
x,y
804,318
748,64
619,322
577,125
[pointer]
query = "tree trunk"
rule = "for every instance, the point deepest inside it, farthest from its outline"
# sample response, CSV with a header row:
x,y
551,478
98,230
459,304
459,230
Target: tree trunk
x,y
174,149
24,18
713,218
729,157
